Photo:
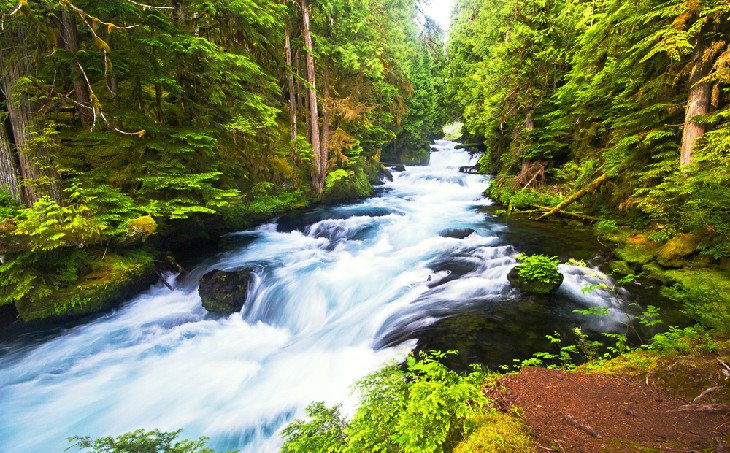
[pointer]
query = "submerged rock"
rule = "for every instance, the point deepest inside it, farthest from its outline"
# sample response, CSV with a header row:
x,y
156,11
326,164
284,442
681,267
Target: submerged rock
x,y
225,292
457,233
534,286
398,167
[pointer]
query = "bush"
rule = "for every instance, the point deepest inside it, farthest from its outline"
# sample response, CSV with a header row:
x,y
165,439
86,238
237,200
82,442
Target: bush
x,y
539,268
424,408
141,441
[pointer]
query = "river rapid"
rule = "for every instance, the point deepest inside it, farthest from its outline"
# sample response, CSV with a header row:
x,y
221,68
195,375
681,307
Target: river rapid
x,y
338,292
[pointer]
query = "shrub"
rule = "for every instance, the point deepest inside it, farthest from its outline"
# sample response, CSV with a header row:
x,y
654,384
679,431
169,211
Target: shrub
x,y
424,408
539,268
141,441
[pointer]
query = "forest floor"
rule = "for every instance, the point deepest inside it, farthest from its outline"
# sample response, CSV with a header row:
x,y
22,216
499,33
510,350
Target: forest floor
x,y
578,412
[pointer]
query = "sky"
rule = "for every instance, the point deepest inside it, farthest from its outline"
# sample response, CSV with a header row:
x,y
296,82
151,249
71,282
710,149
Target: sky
x,y
440,11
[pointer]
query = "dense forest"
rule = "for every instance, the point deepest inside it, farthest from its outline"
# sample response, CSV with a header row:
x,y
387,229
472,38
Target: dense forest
x,y
628,100
123,120
613,113
133,133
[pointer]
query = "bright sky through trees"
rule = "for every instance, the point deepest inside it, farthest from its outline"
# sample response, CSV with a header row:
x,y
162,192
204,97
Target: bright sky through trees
x,y
440,11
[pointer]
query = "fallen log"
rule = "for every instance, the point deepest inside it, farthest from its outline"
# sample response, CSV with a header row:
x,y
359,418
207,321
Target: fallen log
x,y
596,183
578,215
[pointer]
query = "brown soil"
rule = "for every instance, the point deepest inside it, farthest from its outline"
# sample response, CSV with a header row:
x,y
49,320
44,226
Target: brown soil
x,y
576,412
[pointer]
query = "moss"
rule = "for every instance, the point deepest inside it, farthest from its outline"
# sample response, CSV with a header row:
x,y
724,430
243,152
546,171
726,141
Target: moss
x,y
621,268
655,272
498,432
637,254
345,185
110,279
705,294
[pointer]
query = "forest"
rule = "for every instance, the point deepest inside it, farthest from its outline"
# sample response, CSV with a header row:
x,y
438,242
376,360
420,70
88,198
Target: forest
x,y
124,121
632,98
312,145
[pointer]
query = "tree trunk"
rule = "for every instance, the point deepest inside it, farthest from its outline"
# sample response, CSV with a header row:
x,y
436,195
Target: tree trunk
x,y
36,167
700,96
8,165
325,127
313,110
71,44
290,81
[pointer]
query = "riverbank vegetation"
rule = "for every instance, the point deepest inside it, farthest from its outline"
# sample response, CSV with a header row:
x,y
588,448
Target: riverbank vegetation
x,y
611,113
130,130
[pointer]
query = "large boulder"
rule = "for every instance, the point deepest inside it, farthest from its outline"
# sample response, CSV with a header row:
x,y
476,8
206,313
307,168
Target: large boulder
x,y
676,251
457,233
534,286
225,292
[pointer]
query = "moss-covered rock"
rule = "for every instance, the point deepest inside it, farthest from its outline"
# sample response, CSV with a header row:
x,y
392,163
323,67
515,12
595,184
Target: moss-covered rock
x,y
621,268
498,432
636,254
654,271
675,251
225,292
344,185
532,285
104,281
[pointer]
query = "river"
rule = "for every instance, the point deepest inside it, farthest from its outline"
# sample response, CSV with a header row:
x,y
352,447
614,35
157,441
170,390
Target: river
x,y
338,292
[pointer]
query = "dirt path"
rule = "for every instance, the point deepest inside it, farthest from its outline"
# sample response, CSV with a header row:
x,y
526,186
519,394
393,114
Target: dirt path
x,y
575,412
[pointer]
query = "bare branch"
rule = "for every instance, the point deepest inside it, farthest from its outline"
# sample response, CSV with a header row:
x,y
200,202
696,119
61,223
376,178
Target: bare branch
x,y
97,111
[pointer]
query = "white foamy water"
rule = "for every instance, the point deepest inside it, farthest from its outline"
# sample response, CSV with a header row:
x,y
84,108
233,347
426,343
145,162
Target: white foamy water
x,y
325,295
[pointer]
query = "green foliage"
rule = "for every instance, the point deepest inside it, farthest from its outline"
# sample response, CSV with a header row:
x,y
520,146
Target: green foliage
x,y
600,86
424,408
704,297
141,441
539,268
322,432
47,226
683,339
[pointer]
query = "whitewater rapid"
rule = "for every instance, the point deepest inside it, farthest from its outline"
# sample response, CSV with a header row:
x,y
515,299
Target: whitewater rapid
x,y
327,293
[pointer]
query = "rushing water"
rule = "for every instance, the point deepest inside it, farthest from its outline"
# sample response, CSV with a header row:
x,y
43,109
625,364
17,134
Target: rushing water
x,y
338,292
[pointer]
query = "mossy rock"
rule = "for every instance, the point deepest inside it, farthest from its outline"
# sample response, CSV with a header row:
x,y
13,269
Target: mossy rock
x,y
225,292
654,271
532,285
343,185
106,281
621,268
497,433
674,252
636,254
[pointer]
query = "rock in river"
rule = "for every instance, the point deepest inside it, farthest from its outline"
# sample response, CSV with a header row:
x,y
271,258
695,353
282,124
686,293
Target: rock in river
x,y
534,286
457,233
225,292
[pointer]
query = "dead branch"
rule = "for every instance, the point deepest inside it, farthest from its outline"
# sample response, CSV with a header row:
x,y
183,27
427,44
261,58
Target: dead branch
x,y
96,109
705,393
712,408
581,426
596,183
